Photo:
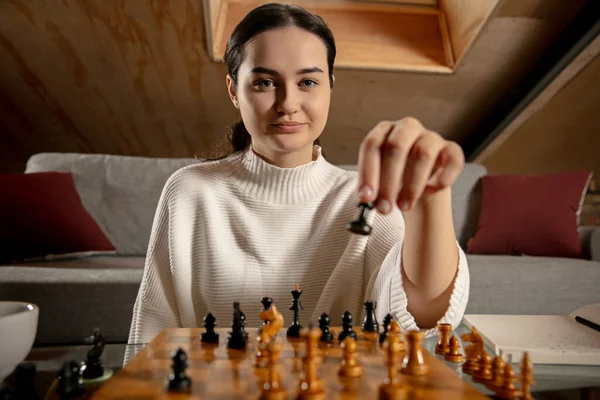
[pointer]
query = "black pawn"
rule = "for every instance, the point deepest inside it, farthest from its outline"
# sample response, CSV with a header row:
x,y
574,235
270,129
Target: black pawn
x,y
238,338
295,327
178,381
346,327
359,225
326,336
25,382
370,323
70,384
266,302
386,322
209,336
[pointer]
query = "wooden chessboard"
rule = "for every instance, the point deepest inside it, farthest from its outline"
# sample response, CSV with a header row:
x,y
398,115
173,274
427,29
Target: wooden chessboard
x,y
219,373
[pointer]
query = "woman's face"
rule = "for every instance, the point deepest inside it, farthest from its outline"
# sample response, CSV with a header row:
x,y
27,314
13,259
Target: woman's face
x,y
283,91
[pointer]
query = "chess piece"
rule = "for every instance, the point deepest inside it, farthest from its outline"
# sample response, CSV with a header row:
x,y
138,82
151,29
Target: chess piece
x,y
360,226
472,351
178,381
272,388
93,365
498,366
294,329
266,302
483,373
25,382
392,388
209,335
349,366
453,354
311,387
273,323
526,377
414,363
442,345
346,327
237,336
370,326
508,389
326,335
386,322
70,384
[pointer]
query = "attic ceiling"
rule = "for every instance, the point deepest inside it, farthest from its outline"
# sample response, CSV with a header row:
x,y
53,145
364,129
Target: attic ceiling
x,y
137,78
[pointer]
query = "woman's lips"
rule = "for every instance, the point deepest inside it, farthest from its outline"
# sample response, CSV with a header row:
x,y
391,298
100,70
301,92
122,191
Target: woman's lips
x,y
288,127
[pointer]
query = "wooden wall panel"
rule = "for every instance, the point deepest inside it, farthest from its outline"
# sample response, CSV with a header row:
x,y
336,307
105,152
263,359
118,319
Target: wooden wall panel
x,y
562,135
133,77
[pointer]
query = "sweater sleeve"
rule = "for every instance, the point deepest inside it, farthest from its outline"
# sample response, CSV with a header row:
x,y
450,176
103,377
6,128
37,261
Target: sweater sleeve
x,y
155,306
382,269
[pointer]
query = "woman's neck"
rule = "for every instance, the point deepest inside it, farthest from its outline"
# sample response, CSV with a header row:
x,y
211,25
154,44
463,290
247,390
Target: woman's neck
x,y
290,159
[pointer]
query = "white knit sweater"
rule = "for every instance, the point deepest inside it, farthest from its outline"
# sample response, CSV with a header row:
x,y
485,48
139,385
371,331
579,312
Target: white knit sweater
x,y
240,228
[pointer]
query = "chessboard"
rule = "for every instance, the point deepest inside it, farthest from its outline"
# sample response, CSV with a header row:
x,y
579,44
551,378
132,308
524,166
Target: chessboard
x,y
218,372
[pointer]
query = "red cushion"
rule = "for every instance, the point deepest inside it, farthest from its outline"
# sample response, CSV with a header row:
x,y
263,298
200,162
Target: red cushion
x,y
530,214
41,214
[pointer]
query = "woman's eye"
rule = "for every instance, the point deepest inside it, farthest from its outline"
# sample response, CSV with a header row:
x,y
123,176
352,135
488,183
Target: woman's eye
x,y
264,84
308,83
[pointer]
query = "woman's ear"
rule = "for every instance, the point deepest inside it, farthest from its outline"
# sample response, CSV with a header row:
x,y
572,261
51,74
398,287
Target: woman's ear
x,y
332,81
231,89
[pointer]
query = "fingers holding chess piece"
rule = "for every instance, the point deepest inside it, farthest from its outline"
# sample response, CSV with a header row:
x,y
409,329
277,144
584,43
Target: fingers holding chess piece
x,y
360,225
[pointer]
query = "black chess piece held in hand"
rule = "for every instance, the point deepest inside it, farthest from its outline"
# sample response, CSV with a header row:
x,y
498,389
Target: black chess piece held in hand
x,y
359,225
178,381
294,329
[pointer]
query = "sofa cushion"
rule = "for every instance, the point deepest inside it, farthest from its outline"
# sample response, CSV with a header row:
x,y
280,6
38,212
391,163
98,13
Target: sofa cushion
x,y
531,285
531,214
42,215
76,296
466,199
120,192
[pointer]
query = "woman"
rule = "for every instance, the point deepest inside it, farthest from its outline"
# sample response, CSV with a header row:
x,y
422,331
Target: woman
x,y
273,212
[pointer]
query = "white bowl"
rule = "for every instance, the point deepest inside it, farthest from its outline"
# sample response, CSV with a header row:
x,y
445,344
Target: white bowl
x,y
18,326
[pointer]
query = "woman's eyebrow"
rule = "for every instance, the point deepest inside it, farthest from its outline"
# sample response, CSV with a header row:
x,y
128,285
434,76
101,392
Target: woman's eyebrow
x,y
263,70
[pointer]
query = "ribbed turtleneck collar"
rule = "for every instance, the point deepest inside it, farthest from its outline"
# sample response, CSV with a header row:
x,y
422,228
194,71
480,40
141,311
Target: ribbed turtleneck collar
x,y
273,184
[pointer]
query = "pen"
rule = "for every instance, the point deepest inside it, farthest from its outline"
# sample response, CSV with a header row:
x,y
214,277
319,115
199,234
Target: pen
x,y
587,323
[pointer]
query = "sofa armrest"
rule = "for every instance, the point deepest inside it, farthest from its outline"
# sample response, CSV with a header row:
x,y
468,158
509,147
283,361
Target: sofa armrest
x,y
595,245
590,241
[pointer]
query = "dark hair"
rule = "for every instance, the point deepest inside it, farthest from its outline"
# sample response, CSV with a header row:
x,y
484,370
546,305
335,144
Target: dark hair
x,y
261,19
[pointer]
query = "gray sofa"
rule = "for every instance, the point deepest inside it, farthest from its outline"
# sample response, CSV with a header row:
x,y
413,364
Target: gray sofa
x,y
122,192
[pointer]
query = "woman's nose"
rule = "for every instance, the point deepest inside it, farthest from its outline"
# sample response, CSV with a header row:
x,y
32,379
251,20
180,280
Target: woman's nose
x,y
287,100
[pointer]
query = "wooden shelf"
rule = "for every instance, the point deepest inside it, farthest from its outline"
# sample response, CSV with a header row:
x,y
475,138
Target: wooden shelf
x,y
378,36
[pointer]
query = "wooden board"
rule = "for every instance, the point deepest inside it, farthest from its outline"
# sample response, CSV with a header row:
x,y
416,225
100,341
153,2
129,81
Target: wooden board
x,y
368,36
217,372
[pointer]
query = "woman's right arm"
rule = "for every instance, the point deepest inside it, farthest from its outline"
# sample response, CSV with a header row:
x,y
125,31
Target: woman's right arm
x,y
156,306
